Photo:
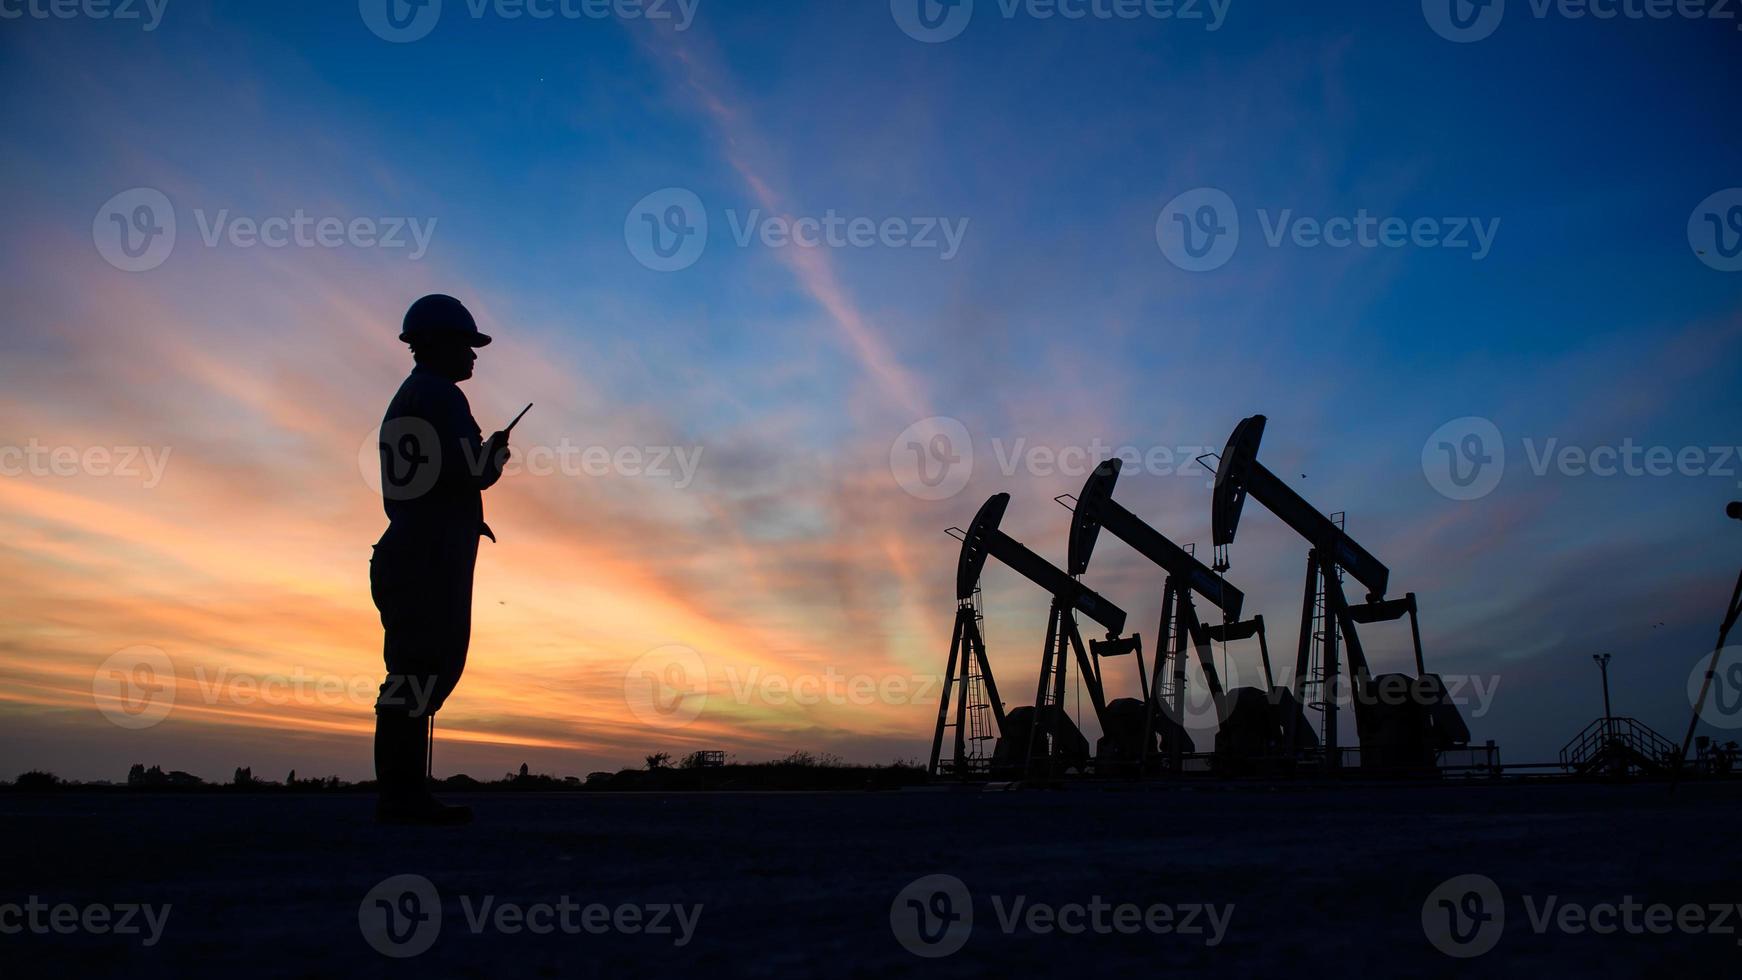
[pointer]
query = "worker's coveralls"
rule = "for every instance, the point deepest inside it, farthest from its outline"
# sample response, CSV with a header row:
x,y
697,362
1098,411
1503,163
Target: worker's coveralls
x,y
433,474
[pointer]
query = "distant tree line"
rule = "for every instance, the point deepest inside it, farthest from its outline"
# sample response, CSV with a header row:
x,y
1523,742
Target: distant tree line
x,y
710,770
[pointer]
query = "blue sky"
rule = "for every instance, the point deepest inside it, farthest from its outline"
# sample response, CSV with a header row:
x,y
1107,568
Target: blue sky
x,y
1590,321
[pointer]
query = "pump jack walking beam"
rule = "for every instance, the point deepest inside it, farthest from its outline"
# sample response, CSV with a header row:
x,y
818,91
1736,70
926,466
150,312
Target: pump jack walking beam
x,y
1096,509
1239,473
983,539
1333,552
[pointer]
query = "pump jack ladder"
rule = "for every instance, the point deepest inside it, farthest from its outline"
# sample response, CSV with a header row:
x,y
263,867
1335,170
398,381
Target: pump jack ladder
x,y
981,540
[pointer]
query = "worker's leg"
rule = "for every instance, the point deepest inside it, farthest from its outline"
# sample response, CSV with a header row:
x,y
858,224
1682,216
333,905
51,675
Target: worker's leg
x,y
417,615
447,614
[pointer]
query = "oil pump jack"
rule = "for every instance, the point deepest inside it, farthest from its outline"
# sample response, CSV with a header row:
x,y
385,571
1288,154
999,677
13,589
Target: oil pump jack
x,y
1251,723
1026,736
1402,723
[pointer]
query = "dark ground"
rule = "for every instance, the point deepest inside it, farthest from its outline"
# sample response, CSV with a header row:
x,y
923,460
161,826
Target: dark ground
x,y
1325,881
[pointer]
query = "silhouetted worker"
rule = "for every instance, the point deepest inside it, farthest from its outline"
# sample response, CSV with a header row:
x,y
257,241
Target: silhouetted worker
x,y
435,466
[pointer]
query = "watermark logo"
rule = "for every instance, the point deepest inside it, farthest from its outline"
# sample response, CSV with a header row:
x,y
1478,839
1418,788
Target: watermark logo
x,y
933,458
1463,21
135,230
402,459
933,916
135,687
1199,230
932,21
1465,916
666,687
1464,459
403,21
1715,230
667,230
400,21
936,21
402,916
1723,708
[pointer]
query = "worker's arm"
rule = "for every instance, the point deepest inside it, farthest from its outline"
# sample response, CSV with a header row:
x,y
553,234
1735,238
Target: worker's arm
x,y
496,454
476,462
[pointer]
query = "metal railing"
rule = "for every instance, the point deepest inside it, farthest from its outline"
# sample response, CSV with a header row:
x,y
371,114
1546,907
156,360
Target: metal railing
x,y
1470,760
1625,736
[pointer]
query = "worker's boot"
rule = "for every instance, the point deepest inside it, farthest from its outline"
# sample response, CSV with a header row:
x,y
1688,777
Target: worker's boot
x,y
401,752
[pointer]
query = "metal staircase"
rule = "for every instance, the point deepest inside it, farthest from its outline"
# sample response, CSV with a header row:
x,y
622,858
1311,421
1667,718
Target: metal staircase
x,y
979,708
975,760
1314,686
1619,745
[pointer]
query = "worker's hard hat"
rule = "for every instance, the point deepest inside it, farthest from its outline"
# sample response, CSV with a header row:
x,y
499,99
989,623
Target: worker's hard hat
x,y
438,317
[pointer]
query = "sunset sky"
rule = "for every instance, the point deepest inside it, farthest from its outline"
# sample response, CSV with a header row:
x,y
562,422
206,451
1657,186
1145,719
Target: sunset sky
x,y
794,553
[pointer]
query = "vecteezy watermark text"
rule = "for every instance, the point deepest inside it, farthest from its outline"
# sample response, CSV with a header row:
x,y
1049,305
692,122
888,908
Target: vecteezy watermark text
x,y
933,459
302,230
1199,230
40,918
148,12
831,687
138,687
144,463
404,21
401,917
1465,916
1465,458
669,229
670,686
404,459
937,21
1467,21
135,231
933,917
677,464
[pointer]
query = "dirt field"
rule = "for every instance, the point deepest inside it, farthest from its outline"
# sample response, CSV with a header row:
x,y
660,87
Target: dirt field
x,y
1320,881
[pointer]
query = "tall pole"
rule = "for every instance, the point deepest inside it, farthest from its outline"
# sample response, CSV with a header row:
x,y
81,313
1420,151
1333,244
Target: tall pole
x,y
1734,511
1730,617
1602,660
